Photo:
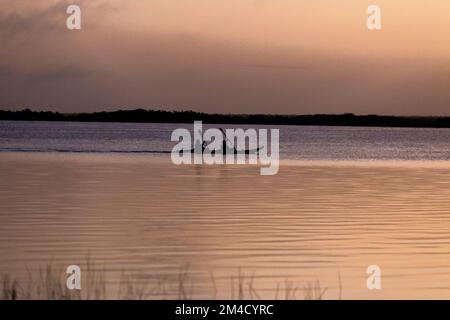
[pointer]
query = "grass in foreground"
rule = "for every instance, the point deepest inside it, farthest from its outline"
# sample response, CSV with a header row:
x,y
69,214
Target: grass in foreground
x,y
50,284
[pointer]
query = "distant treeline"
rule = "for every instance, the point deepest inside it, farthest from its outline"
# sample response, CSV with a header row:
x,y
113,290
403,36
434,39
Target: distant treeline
x,y
158,116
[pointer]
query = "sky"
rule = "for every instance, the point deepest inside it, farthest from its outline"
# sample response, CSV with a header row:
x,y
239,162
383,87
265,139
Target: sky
x,y
227,56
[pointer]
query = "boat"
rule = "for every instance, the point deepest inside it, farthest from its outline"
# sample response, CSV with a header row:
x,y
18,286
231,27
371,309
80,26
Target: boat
x,y
246,151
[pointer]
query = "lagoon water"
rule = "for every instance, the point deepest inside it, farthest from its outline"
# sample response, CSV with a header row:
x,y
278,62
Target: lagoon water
x,y
300,143
345,198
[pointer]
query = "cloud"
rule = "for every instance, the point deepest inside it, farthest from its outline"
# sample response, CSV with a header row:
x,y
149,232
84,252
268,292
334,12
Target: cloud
x,y
62,73
130,57
31,20
55,74
5,72
22,22
274,66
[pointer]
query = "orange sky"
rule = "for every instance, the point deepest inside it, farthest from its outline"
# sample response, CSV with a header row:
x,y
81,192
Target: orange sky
x,y
240,56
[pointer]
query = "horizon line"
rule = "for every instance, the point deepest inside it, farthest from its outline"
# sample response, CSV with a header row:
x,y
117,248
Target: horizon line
x,y
27,109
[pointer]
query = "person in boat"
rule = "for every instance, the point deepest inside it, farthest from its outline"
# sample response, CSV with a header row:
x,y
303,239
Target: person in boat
x,y
225,147
193,149
203,147
224,143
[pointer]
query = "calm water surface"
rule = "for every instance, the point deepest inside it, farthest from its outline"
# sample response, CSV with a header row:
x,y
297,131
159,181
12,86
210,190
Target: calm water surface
x,y
344,199
296,142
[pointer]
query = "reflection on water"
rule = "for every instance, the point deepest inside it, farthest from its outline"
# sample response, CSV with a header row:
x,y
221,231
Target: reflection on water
x,y
296,142
142,214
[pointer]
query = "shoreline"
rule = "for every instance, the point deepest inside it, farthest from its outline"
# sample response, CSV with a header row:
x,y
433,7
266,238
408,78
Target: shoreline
x,y
160,116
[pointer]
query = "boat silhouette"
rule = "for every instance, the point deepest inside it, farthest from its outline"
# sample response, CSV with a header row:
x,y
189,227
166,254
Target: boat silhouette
x,y
221,151
225,147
